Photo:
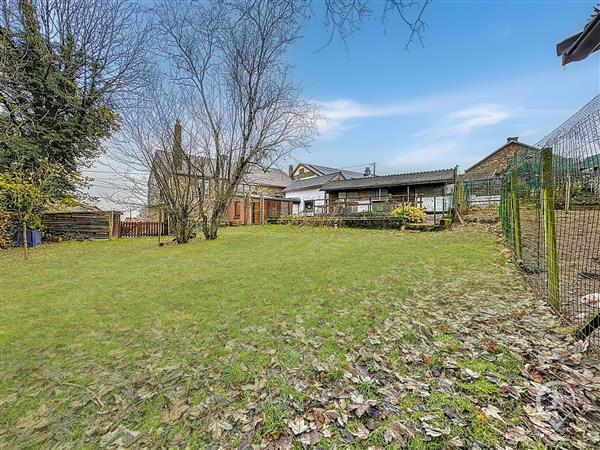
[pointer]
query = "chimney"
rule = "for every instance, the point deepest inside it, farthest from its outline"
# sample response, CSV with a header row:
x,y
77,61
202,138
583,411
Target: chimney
x,y
512,139
291,170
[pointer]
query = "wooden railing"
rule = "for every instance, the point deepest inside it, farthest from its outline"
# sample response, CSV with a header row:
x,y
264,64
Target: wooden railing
x,y
139,229
384,205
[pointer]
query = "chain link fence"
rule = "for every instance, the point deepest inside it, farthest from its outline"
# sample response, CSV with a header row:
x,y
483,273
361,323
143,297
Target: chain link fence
x,y
550,216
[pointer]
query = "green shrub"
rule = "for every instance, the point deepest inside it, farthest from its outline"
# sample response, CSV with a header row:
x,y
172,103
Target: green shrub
x,y
410,213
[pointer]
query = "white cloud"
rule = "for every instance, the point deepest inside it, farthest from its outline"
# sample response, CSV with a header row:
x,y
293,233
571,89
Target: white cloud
x,y
337,113
442,146
437,155
465,121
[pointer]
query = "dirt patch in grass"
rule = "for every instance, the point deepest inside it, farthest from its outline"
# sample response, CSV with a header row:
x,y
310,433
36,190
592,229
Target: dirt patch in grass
x,y
282,337
482,214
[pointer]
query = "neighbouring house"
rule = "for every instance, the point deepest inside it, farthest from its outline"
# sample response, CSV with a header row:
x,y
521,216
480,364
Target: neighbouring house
x,y
483,180
496,163
259,196
430,190
308,179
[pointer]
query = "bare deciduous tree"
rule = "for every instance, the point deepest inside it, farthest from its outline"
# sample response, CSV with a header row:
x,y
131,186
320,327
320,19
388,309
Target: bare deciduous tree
x,y
231,87
108,40
223,63
345,17
65,68
152,142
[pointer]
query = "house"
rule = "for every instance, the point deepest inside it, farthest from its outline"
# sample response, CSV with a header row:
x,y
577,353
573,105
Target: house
x,y
496,163
430,190
259,196
483,180
307,182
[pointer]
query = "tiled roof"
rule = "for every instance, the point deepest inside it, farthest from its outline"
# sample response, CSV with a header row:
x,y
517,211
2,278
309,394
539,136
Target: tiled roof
x,y
308,183
401,179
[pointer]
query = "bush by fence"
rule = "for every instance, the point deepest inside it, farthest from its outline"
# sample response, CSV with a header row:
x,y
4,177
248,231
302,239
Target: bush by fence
x,y
550,214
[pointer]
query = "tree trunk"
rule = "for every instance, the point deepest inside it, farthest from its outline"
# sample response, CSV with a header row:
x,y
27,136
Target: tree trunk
x,y
211,228
183,227
25,246
182,235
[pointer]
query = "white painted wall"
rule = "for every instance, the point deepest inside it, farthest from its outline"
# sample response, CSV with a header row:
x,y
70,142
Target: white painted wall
x,y
442,203
305,194
483,200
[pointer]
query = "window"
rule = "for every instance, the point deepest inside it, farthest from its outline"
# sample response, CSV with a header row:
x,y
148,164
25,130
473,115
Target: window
x,y
237,210
309,205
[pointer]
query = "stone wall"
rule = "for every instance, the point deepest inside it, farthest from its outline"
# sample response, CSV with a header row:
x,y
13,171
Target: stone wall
x,y
496,163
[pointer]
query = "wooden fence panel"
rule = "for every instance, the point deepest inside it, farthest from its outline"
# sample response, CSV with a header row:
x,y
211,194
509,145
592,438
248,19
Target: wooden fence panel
x,y
140,229
78,225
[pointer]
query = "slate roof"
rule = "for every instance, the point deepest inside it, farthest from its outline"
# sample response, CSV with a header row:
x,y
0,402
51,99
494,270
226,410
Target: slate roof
x,y
308,183
324,170
401,179
255,174
271,177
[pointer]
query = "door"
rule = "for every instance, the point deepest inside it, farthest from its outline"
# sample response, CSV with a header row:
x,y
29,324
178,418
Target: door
x,y
255,212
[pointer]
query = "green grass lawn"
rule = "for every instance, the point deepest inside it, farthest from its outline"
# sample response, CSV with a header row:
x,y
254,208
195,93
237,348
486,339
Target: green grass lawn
x,y
269,335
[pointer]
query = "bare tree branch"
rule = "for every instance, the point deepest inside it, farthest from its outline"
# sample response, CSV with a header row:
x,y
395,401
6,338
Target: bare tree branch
x,y
225,77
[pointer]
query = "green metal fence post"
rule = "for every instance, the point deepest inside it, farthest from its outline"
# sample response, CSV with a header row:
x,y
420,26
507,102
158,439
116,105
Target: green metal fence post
x,y
516,215
550,228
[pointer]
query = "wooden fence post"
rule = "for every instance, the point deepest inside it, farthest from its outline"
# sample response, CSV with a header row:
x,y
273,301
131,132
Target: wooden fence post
x,y
550,228
457,193
159,224
111,225
516,215
261,214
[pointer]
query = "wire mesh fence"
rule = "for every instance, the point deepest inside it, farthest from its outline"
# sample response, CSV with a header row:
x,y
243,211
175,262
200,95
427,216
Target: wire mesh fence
x,y
482,192
550,215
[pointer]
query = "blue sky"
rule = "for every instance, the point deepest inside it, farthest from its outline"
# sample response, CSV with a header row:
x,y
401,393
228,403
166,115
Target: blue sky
x,y
488,70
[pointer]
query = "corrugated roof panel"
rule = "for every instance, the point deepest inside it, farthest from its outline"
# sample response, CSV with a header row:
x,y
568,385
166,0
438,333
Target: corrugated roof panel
x,y
401,179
